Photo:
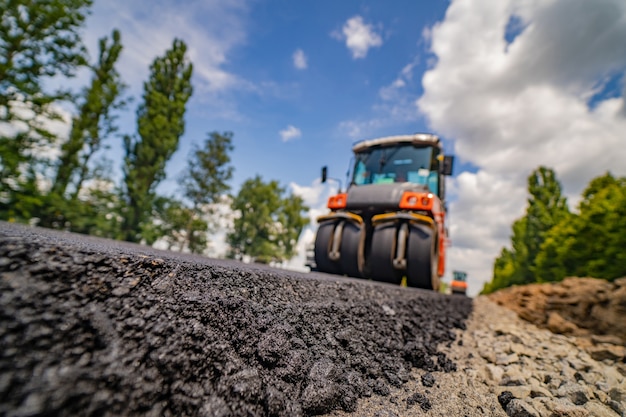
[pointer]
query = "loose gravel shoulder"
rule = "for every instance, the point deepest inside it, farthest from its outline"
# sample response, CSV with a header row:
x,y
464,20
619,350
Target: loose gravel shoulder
x,y
534,372
509,367
93,327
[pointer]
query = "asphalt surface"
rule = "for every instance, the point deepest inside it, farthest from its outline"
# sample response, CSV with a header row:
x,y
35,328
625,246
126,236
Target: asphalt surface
x,y
96,327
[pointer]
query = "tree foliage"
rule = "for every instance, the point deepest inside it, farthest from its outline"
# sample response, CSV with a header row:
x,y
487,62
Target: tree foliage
x,y
39,39
160,123
550,243
96,211
546,208
203,183
93,124
209,170
95,120
590,243
178,225
511,266
267,224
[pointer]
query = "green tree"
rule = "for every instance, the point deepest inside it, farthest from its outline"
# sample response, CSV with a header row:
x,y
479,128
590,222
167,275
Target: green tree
x,y
95,120
204,182
209,170
178,225
601,237
39,39
160,123
97,211
511,267
267,224
546,208
292,222
504,271
553,261
94,123
592,242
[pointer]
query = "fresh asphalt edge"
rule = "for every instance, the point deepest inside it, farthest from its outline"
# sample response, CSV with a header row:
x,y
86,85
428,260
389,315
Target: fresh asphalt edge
x,y
95,327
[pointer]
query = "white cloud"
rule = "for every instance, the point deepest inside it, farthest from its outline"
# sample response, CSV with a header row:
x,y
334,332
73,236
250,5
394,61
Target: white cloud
x,y
148,31
393,90
299,59
360,129
512,107
427,34
289,133
359,37
407,71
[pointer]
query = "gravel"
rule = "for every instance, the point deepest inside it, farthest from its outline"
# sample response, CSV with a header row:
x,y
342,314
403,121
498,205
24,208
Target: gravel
x,y
94,327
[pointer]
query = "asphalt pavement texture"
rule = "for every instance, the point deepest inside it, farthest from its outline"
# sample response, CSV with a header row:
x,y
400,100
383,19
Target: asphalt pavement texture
x,y
100,328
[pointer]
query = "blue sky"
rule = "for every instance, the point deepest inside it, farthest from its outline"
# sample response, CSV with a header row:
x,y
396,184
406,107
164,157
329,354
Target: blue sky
x,y
328,97
508,84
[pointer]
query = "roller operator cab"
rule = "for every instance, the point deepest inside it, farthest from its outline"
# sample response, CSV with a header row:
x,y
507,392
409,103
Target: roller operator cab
x,y
390,223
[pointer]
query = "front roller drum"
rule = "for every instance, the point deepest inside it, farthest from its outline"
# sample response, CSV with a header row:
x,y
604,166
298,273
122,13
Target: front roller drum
x,y
422,258
382,253
349,254
323,246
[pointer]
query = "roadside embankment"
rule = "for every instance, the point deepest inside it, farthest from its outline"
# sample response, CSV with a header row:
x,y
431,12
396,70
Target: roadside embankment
x,y
589,307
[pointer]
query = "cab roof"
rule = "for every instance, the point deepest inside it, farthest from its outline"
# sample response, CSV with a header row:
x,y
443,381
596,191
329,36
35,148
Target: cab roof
x,y
416,139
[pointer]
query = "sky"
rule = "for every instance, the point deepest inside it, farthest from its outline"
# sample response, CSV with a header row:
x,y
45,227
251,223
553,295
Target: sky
x,y
507,84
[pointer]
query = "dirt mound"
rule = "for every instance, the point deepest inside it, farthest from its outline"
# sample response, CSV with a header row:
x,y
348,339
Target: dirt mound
x,y
103,329
575,306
